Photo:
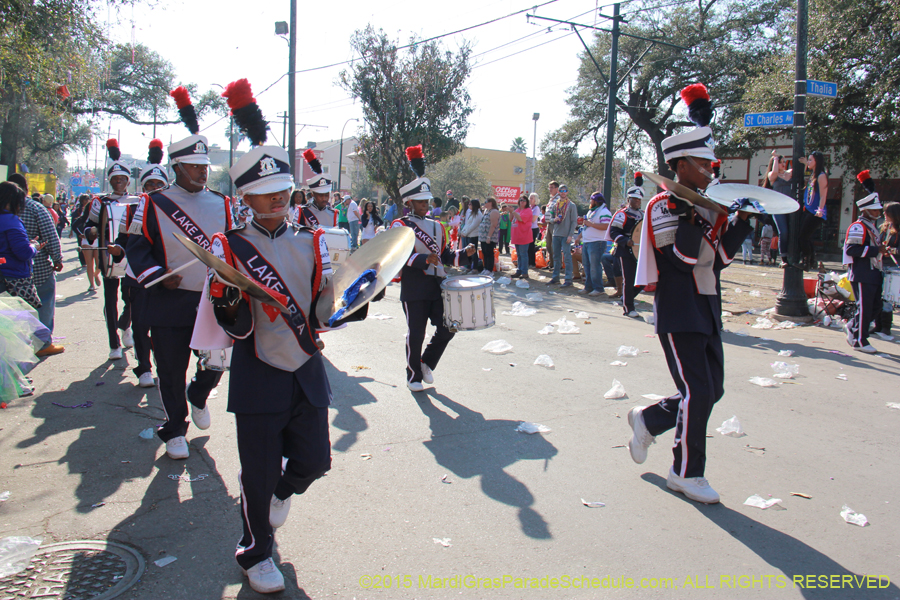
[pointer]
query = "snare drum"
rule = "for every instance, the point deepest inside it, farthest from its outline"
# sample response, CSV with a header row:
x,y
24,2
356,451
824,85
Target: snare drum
x,y
215,360
338,242
111,215
891,292
468,303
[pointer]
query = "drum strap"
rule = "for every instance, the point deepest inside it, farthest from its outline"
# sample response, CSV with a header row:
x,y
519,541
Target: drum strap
x,y
311,218
182,220
263,271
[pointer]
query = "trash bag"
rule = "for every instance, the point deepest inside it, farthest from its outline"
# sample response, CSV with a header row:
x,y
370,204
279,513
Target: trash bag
x,y
534,297
16,553
627,351
504,280
784,370
544,361
764,382
520,310
732,428
521,283
497,347
853,517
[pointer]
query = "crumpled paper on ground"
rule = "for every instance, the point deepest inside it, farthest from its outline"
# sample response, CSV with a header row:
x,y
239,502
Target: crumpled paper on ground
x,y
732,428
16,553
853,517
760,502
763,382
544,361
627,351
548,329
497,347
526,427
520,310
565,326
616,391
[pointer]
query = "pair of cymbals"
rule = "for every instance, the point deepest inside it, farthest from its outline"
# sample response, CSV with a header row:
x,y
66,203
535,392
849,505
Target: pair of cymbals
x,y
720,195
685,193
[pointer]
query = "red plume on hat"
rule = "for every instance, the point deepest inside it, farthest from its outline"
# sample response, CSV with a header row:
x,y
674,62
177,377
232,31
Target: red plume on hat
x,y
112,149
247,115
185,108
155,153
416,159
638,179
865,178
696,97
309,156
717,167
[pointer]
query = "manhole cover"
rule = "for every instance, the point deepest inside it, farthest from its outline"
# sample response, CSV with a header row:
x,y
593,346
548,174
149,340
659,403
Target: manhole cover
x,y
85,570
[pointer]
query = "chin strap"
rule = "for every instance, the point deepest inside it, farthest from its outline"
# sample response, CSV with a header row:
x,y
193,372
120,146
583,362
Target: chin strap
x,y
184,174
281,214
703,171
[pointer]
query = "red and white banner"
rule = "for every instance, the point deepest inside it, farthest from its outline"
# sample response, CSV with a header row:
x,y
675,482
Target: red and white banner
x,y
505,193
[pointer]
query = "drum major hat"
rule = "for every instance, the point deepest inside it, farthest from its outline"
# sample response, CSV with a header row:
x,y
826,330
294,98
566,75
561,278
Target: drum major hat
x,y
153,170
265,169
115,166
194,149
872,201
318,183
420,187
699,142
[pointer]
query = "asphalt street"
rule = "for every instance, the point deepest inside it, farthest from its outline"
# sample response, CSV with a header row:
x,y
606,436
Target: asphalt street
x,y
436,495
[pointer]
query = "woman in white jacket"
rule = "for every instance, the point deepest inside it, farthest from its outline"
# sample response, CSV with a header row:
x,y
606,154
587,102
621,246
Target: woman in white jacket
x,y
469,229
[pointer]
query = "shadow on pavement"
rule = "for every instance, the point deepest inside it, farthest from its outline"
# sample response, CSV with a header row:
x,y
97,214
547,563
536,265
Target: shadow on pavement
x,y
470,446
787,554
348,392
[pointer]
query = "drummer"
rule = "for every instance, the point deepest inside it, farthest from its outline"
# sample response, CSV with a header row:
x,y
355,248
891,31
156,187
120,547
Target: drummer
x,y
119,176
318,213
863,255
278,386
188,208
621,232
420,283
685,248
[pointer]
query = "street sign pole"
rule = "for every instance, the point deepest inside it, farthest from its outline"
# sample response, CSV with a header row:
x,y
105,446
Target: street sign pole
x,y
791,302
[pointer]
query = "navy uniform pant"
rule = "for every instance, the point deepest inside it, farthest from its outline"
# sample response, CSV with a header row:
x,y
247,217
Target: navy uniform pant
x,y
299,434
628,264
111,311
172,351
418,313
135,298
697,365
868,306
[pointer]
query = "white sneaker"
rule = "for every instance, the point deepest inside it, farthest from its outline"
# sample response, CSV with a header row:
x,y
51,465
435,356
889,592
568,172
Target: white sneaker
x,y
885,337
115,354
486,273
868,349
595,293
278,511
128,338
633,314
415,386
265,578
427,374
641,438
849,333
695,488
146,380
200,416
177,448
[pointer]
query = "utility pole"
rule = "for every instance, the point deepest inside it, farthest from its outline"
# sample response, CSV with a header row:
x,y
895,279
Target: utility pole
x,y
535,118
611,106
791,302
292,88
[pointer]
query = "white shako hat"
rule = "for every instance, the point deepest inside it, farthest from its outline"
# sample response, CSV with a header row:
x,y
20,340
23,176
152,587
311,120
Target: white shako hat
x,y
636,191
115,167
420,187
192,150
699,142
872,201
318,183
153,170
265,169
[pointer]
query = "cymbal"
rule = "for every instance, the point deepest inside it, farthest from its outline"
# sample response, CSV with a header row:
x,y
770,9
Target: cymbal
x,y
386,254
231,275
772,202
685,193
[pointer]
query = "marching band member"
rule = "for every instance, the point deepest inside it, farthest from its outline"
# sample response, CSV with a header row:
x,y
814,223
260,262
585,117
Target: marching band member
x,y
420,279
684,249
152,178
119,176
191,209
863,254
621,231
318,213
278,387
